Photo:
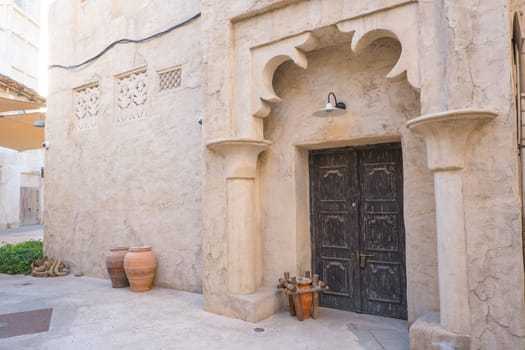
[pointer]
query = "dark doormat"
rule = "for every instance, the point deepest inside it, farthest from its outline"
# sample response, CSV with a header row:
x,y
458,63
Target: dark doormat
x,y
27,322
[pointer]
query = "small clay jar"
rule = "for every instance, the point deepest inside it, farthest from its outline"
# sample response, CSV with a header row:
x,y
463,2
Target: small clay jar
x,y
115,267
140,264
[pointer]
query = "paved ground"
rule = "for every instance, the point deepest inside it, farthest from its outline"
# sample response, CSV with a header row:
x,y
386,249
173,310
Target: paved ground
x,y
89,314
21,234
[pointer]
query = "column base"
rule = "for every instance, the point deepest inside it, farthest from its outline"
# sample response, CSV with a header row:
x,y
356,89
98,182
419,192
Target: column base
x,y
249,307
426,333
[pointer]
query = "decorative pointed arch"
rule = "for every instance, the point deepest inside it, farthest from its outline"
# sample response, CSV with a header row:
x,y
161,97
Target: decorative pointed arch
x,y
264,61
400,23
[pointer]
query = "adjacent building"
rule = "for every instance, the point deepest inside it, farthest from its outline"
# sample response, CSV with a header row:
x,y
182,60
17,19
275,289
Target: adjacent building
x,y
21,183
20,40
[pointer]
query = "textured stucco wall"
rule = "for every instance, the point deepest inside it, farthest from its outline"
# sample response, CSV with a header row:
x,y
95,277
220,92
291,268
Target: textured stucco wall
x,y
468,44
137,182
9,196
134,182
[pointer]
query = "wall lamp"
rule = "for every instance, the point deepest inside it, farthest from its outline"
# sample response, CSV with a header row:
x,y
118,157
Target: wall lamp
x,y
39,123
329,109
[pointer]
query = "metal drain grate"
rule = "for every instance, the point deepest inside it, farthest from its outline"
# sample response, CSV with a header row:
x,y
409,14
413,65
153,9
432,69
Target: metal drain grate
x,y
27,322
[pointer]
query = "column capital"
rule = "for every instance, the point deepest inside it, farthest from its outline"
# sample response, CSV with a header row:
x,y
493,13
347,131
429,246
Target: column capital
x,y
446,135
240,155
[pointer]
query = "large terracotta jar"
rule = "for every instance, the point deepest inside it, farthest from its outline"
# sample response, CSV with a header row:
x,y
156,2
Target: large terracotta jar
x,y
140,264
115,267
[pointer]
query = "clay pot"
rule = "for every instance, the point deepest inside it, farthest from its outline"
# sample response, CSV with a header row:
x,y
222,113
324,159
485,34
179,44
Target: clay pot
x,y
115,267
140,264
305,298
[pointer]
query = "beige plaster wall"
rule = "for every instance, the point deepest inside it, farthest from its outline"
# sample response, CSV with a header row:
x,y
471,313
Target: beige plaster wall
x,y
137,183
377,111
30,180
18,169
9,196
133,182
474,39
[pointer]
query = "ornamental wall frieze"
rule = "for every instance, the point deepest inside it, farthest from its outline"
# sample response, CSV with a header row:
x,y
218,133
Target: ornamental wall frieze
x,y
87,106
131,95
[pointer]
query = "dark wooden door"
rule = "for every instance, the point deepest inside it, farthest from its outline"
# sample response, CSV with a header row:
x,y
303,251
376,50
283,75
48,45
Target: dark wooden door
x,y
358,240
29,206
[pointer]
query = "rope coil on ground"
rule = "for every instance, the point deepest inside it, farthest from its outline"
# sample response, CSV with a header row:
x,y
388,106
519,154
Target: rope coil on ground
x,y
48,268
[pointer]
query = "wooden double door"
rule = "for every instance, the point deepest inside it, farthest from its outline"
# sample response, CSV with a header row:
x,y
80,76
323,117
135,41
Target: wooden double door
x,y
358,238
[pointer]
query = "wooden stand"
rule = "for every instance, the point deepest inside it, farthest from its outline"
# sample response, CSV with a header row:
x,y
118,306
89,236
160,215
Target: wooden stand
x,y
289,287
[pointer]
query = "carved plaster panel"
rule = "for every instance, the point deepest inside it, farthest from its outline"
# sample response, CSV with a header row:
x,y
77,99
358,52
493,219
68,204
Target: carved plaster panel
x,y
170,79
400,23
266,59
87,102
132,95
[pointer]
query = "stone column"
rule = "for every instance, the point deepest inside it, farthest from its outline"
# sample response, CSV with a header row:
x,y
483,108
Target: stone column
x,y
447,137
243,258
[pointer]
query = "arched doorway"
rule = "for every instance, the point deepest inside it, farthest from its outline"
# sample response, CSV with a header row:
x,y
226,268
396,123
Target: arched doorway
x,y
329,236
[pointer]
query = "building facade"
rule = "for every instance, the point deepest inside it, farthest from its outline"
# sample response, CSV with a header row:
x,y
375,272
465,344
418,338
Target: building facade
x,y
21,183
408,204
20,40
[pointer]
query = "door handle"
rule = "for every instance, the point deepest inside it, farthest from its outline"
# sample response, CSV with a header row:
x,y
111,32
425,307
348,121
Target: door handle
x,y
362,259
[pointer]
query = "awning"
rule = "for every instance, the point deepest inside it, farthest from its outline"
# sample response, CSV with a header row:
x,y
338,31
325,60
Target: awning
x,y
16,126
7,104
17,131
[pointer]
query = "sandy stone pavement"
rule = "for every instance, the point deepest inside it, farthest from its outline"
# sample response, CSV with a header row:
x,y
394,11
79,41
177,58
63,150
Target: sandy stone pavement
x,y
88,314
21,234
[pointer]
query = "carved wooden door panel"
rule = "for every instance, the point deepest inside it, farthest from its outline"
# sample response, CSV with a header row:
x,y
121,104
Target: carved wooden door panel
x,y
29,206
335,223
381,234
358,242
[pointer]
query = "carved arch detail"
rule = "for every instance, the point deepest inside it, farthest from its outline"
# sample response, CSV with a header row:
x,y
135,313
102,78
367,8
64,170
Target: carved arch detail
x,y
266,58
400,23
